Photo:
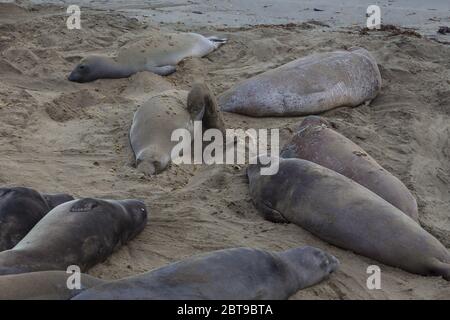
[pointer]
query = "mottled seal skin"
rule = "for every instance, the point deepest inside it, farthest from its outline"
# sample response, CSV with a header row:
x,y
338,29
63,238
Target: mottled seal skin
x,y
316,141
309,85
20,209
159,55
348,215
156,120
81,232
232,274
43,285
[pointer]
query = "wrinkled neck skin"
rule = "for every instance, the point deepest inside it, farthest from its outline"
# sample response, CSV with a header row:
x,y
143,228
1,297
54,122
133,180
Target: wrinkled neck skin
x,y
109,68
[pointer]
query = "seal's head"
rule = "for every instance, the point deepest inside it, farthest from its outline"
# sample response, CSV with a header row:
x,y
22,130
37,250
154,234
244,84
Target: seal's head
x,y
92,68
311,265
151,161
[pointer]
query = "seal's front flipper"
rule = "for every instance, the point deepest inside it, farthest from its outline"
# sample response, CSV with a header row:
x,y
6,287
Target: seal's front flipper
x,y
162,71
202,103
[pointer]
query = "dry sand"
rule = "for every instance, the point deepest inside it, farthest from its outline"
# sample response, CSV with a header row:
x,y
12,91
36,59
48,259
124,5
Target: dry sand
x,y
58,136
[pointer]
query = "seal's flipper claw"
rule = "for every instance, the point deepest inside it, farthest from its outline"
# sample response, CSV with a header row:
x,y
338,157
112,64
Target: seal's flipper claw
x,y
163,71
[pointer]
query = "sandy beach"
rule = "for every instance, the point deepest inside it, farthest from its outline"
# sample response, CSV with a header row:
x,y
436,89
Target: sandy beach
x,y
60,136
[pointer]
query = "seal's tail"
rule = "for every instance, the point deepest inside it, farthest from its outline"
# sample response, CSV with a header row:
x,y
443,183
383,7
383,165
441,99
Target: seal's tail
x,y
218,41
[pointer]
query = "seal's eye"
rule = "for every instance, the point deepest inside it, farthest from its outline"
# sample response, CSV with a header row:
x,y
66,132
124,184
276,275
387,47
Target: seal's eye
x,y
81,67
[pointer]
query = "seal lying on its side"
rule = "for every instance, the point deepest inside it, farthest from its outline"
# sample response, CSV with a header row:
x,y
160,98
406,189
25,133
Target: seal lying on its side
x,y
241,273
156,120
316,141
309,85
346,214
80,232
158,54
20,209
43,285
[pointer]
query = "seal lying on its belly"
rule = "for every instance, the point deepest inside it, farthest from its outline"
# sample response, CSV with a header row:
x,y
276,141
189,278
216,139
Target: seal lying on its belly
x,y
231,274
43,285
156,120
316,141
20,209
309,85
346,214
160,53
80,232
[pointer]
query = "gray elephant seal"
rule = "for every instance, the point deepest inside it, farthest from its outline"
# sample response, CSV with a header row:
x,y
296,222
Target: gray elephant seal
x,y
80,232
316,141
346,214
309,85
20,209
160,53
43,285
231,274
156,120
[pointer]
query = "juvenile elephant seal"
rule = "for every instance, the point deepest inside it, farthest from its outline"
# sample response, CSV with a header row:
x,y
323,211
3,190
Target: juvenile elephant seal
x,y
346,214
80,232
20,209
159,53
156,120
232,274
316,141
309,85
43,285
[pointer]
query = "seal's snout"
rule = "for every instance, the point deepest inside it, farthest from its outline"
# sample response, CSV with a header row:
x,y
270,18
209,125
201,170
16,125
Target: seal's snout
x,y
332,262
54,200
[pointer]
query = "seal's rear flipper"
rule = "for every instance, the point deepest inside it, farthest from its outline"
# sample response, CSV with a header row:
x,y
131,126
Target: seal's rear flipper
x,y
162,71
202,105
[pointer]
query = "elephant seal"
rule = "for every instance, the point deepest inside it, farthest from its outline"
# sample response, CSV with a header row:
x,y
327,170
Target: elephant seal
x,y
231,274
156,120
309,85
159,53
316,141
43,285
20,209
81,232
342,212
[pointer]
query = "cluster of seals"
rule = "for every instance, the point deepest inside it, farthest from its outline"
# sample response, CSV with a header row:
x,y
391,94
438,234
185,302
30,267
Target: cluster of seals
x,y
309,85
162,114
344,213
240,273
20,209
316,141
81,232
159,55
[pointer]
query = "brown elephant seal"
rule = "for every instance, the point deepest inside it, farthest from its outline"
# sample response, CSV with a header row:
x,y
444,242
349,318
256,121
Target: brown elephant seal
x,y
20,209
344,213
43,285
232,274
80,232
316,141
156,120
159,53
309,85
